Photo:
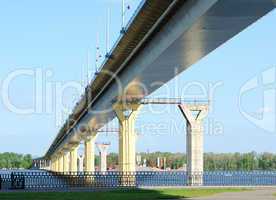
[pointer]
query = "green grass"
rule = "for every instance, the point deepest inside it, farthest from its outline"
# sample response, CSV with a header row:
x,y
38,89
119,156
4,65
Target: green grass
x,y
188,193
117,195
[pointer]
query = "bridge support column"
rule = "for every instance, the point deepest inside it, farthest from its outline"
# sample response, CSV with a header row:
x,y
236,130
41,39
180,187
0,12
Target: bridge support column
x,y
74,159
56,164
127,115
66,167
52,167
80,163
194,115
103,155
51,164
89,153
60,162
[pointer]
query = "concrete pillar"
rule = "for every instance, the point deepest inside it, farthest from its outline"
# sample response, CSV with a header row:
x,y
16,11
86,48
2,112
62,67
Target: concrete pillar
x,y
56,167
194,115
80,163
103,148
52,167
60,162
89,153
66,166
74,158
56,164
53,164
127,115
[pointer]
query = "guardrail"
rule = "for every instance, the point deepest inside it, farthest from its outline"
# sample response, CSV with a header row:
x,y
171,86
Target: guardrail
x,y
39,180
54,180
5,181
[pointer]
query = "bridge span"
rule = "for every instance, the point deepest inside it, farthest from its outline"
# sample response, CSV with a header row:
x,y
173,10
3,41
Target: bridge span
x,y
163,39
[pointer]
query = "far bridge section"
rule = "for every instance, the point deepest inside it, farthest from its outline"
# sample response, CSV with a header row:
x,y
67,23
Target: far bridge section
x,y
163,39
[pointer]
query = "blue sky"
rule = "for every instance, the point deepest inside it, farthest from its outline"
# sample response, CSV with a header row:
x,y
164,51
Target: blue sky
x,y
58,36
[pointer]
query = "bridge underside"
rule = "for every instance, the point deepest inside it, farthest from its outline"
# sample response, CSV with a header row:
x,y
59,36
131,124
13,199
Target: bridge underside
x,y
193,31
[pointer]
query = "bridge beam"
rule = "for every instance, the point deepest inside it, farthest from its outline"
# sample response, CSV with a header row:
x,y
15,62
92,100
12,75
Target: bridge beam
x,y
127,115
89,152
194,115
74,158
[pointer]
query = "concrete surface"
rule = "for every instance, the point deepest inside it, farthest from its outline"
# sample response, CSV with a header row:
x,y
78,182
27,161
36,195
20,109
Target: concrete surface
x,y
258,194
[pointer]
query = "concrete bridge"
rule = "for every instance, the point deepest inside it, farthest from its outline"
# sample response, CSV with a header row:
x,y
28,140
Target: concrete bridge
x,y
163,39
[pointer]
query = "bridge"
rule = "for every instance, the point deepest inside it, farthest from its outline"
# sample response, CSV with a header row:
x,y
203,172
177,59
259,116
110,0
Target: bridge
x,y
162,39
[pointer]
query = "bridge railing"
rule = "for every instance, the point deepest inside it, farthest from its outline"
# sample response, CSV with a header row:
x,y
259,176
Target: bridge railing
x,y
114,179
5,181
55,180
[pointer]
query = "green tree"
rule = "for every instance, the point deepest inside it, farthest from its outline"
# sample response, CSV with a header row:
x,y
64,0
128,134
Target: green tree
x,y
13,160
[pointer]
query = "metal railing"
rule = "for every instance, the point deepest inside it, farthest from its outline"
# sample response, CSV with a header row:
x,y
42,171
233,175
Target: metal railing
x,y
177,101
110,179
39,180
5,181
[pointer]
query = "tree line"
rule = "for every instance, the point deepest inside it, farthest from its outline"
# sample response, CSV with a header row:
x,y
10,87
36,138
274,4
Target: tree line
x,y
212,161
238,161
15,161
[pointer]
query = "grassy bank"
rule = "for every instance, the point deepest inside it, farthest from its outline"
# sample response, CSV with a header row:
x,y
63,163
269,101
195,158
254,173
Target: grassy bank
x,y
118,195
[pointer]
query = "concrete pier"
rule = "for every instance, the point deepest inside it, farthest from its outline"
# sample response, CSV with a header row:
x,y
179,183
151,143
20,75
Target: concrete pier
x,y
53,163
103,148
74,158
56,163
66,167
194,115
127,115
60,162
89,153
80,163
